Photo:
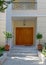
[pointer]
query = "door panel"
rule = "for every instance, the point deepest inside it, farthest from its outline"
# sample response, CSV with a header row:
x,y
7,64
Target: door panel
x,y
24,36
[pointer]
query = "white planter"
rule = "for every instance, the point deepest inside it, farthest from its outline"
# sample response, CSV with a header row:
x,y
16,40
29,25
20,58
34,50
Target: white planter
x,y
3,58
42,58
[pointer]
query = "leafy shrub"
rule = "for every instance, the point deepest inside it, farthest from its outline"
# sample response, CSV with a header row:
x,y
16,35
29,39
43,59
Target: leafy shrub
x,y
8,35
39,36
1,50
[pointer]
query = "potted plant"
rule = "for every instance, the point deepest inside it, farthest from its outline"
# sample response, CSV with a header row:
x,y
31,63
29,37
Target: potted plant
x,y
8,35
39,37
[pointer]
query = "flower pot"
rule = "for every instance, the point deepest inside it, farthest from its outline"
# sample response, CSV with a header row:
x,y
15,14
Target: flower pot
x,y
40,47
7,47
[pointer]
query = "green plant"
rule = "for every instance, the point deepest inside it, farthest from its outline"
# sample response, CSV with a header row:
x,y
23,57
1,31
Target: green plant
x,y
1,53
39,37
1,50
8,35
4,4
44,51
45,45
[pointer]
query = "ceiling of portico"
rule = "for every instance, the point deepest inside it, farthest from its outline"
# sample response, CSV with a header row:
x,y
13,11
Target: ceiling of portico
x,y
24,18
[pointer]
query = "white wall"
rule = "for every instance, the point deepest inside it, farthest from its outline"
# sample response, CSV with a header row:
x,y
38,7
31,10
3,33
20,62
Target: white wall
x,y
41,19
2,28
41,28
41,6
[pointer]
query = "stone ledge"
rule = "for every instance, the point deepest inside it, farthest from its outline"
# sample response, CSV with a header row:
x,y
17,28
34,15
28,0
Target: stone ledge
x,y
3,58
42,57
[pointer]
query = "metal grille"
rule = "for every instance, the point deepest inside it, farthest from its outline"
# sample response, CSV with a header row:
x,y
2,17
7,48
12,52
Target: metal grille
x,y
24,5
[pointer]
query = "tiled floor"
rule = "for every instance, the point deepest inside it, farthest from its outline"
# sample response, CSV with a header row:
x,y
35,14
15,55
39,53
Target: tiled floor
x,y
25,56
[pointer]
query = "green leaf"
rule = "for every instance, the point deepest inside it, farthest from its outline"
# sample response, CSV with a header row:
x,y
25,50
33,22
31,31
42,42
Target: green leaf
x,y
6,3
8,34
39,36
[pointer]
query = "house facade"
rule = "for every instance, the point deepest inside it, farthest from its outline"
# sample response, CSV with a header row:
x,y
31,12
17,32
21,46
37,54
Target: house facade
x,y
24,19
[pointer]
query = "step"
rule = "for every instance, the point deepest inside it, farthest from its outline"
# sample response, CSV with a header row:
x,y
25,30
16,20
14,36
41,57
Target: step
x,y
24,51
22,54
21,48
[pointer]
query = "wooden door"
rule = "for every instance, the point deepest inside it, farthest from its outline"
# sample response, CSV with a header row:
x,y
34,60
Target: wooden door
x,y
24,36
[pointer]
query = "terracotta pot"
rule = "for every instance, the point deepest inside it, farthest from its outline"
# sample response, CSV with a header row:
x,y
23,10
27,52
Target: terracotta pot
x,y
40,47
7,47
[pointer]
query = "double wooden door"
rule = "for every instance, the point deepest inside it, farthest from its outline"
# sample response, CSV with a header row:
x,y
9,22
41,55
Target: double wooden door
x,y
24,36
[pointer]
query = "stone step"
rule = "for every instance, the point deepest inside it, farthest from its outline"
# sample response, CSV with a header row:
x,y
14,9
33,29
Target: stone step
x,y
28,50
22,54
23,51
21,48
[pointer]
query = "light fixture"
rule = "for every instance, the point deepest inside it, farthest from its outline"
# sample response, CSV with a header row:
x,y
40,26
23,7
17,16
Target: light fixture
x,y
24,22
